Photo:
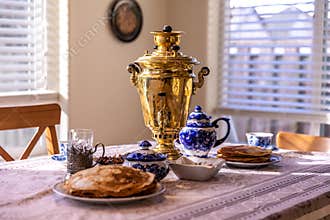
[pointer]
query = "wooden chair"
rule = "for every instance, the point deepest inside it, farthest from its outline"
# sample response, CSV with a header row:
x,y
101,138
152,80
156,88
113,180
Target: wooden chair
x,y
302,142
44,117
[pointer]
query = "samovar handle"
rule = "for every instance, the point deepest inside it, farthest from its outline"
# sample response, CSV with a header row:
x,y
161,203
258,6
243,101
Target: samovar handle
x,y
198,84
134,69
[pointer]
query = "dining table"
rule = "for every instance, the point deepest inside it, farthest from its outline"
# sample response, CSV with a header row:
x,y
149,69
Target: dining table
x,y
298,187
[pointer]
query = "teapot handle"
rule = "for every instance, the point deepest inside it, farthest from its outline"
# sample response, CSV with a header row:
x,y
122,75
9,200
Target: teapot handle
x,y
214,124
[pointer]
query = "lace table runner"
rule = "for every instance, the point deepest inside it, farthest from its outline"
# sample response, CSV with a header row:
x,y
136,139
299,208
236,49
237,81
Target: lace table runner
x,y
299,184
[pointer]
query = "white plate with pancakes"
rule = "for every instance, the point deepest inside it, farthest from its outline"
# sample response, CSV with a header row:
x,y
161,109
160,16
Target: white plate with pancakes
x,y
272,160
245,156
110,184
59,190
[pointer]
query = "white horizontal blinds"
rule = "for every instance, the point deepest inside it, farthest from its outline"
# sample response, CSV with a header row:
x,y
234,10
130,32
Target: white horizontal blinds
x,y
267,63
326,58
22,32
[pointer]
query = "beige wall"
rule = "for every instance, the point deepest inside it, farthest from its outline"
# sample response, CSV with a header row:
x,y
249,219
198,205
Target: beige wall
x,y
190,16
100,94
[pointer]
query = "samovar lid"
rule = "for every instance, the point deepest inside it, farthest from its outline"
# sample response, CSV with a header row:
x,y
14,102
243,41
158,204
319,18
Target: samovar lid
x,y
166,48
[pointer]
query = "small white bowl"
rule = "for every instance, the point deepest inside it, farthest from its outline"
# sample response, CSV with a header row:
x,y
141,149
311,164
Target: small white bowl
x,y
202,170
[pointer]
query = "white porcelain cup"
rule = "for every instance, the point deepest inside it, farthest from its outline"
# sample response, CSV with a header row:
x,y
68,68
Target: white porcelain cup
x,y
261,139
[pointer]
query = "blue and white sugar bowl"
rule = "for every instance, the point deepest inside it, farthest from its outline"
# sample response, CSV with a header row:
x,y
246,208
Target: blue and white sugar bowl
x,y
148,160
199,135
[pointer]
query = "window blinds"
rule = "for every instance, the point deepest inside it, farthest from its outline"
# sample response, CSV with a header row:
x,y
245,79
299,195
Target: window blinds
x,y
22,40
276,56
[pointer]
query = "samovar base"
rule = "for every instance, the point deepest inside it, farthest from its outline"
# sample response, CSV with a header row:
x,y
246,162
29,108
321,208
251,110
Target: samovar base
x,y
165,143
172,153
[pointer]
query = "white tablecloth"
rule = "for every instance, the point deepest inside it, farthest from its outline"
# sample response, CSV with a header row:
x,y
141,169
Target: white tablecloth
x,y
298,185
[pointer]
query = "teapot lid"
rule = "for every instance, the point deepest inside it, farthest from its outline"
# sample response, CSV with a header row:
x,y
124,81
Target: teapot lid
x,y
145,154
198,118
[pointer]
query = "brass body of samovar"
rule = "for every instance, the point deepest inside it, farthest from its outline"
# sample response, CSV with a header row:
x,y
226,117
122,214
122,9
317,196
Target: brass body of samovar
x,y
165,82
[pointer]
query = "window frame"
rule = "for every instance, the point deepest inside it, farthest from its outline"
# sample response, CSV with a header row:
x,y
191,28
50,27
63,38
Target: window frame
x,y
216,36
56,59
57,90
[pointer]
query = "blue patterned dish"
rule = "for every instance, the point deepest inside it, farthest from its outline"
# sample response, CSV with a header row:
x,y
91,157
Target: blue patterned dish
x,y
148,160
63,152
145,154
199,135
59,157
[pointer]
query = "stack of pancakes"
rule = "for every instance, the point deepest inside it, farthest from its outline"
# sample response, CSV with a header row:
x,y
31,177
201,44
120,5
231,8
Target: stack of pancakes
x,y
245,153
110,181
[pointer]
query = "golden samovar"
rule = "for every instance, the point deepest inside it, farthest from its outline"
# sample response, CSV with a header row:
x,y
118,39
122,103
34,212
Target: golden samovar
x,y
165,82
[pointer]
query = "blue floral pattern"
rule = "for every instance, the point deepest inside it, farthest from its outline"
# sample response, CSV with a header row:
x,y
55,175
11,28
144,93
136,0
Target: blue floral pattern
x,y
145,154
195,139
262,141
198,124
148,160
158,170
197,119
199,135
137,156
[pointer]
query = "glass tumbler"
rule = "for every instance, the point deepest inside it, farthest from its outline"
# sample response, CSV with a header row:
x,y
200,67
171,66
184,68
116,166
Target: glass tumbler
x,y
80,150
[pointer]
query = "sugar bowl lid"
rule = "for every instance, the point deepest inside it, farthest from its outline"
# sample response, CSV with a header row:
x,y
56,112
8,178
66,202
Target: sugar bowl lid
x,y
198,118
145,154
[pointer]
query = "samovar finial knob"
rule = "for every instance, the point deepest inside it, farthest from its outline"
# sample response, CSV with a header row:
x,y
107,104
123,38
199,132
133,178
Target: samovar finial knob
x,y
167,28
167,41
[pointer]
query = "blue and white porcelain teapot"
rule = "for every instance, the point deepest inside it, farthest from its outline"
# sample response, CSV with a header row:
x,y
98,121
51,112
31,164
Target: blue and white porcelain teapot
x,y
199,135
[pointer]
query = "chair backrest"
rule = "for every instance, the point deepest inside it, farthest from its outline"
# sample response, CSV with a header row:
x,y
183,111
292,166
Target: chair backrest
x,y
44,117
302,142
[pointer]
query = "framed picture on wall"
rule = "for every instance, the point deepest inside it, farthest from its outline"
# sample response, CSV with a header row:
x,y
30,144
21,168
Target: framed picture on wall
x,y
125,19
